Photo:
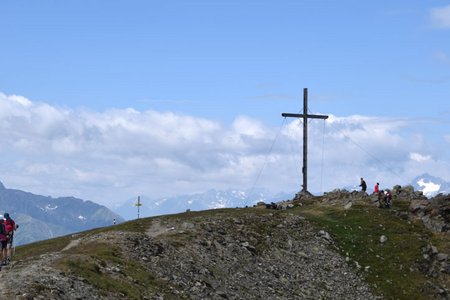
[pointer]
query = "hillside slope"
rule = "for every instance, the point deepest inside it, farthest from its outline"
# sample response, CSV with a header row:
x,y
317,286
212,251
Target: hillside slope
x,y
322,249
43,217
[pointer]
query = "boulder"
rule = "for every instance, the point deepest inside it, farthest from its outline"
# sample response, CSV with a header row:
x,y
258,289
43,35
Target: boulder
x,y
434,213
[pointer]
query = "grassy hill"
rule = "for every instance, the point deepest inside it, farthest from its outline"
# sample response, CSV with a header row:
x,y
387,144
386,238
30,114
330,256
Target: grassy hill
x,y
316,250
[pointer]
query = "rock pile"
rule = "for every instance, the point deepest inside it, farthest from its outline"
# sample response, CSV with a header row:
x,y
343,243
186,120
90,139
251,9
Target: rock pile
x,y
241,259
436,266
434,213
407,193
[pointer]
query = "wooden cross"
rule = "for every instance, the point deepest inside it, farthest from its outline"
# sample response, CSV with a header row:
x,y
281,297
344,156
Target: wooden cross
x,y
305,117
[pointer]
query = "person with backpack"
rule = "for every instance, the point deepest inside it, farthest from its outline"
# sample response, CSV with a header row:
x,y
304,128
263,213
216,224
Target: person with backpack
x,y
10,227
388,199
381,199
3,241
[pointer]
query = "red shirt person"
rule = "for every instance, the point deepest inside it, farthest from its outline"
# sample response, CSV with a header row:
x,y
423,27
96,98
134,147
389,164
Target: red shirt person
x,y
376,189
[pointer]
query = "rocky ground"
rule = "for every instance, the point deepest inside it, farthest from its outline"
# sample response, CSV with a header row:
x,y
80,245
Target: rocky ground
x,y
249,253
256,255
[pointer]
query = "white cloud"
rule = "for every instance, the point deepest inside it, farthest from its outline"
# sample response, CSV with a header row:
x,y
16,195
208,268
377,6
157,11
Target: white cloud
x,y
419,157
250,127
440,17
20,100
112,156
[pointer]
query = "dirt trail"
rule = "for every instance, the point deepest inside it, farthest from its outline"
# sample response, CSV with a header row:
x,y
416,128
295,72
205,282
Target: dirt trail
x,y
72,244
19,274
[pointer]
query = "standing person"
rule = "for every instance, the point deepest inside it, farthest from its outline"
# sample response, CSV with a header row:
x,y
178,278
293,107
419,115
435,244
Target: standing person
x,y
3,242
381,199
363,185
376,189
388,199
10,227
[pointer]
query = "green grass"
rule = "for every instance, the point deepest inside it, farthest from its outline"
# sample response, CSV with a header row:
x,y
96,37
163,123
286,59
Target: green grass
x,y
393,265
57,244
139,225
33,250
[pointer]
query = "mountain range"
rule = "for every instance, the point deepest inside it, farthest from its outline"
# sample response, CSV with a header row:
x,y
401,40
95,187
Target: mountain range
x,y
429,185
41,217
210,199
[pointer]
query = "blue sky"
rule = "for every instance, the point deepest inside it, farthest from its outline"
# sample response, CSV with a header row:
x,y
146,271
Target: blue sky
x,y
97,89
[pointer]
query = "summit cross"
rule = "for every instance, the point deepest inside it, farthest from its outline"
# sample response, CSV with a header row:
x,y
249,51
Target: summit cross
x,y
305,117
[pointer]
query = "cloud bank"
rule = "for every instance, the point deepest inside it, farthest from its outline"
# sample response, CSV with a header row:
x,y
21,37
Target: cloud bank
x,y
112,156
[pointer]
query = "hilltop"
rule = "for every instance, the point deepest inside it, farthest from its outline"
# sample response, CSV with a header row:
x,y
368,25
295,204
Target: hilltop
x,y
337,246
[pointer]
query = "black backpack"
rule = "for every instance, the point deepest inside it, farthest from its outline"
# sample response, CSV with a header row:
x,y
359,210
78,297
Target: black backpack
x,y
2,228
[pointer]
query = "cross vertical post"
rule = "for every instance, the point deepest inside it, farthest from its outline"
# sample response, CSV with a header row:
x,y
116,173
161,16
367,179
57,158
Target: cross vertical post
x,y
305,117
138,204
305,140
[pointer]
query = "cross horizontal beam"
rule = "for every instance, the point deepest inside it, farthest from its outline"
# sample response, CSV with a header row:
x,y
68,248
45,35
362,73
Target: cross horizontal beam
x,y
289,115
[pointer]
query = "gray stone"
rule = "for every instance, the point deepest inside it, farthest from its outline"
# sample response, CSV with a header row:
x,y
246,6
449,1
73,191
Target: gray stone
x,y
441,257
434,250
325,235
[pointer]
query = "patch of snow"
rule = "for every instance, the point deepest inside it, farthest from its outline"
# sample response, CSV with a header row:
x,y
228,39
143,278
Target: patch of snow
x,y
239,194
158,203
216,205
49,207
428,188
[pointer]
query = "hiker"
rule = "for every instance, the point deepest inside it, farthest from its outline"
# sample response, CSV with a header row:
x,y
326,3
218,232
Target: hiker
x,y
3,242
388,199
376,188
10,227
381,199
363,185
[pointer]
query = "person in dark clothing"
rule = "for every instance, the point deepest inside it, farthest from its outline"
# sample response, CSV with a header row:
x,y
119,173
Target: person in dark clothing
x,y
363,185
381,199
10,227
3,241
388,199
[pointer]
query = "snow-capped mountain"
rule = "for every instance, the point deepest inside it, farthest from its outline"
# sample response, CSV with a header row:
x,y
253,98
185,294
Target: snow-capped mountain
x,y
212,199
430,185
201,201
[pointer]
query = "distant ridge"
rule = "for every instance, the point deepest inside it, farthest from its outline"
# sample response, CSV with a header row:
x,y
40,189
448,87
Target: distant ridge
x,y
41,217
210,199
